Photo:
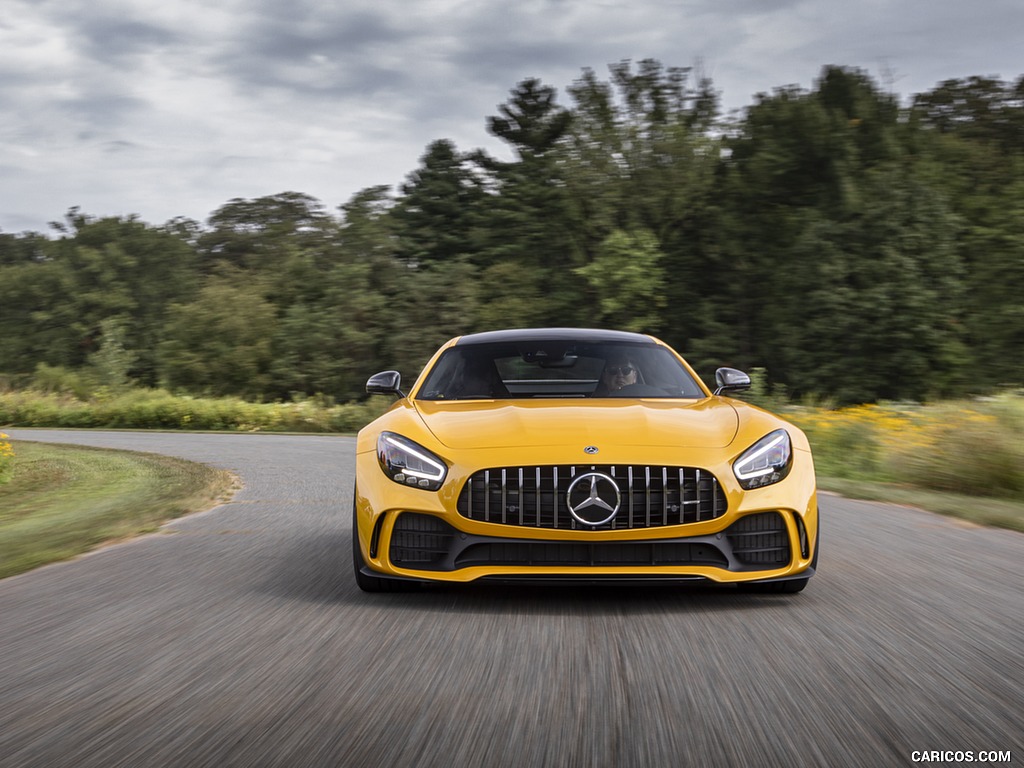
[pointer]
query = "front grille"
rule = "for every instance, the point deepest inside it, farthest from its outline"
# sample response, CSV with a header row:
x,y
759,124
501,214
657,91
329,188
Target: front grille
x,y
760,540
559,553
651,496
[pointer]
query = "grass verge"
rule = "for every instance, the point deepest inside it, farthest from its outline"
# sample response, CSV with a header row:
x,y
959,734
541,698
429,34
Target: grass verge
x,y
1001,513
61,500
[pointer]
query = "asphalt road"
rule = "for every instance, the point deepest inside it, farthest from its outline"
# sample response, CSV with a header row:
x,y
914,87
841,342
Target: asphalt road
x,y
237,637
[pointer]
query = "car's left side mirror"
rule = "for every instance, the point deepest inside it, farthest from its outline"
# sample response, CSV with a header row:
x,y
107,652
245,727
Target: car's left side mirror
x,y
731,380
385,383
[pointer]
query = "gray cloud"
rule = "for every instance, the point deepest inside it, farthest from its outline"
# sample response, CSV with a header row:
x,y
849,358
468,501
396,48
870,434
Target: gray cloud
x,y
116,41
173,109
330,54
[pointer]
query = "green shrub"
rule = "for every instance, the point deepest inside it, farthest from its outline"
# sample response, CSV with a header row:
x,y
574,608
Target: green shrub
x,y
970,448
54,379
846,443
159,409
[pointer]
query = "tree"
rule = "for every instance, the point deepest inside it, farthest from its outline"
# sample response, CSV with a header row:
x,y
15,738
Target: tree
x,y
220,343
848,246
628,280
27,248
98,270
523,220
257,234
530,121
971,134
842,276
434,218
976,108
639,159
112,361
36,318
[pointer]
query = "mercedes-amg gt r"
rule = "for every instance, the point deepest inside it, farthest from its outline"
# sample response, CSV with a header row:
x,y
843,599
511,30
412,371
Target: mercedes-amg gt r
x,y
579,455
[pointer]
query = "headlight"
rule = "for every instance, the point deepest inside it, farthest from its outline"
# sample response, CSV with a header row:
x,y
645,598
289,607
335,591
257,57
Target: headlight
x,y
407,463
765,462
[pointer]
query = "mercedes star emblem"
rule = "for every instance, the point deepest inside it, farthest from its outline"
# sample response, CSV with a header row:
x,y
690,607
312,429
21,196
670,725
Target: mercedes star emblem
x,y
593,498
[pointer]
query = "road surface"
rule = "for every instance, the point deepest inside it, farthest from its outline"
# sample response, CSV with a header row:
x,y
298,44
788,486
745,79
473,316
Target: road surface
x,y
237,637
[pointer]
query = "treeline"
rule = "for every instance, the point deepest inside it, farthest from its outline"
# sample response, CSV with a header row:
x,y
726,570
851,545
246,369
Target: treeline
x,y
854,248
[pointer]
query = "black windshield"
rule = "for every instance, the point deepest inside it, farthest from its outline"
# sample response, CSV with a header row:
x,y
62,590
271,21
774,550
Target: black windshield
x,y
525,369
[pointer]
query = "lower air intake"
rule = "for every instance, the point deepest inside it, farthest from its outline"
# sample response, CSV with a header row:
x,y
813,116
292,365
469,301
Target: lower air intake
x,y
760,540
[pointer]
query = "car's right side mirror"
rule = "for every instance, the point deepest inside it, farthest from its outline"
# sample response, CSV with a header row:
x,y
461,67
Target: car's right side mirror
x,y
731,380
385,383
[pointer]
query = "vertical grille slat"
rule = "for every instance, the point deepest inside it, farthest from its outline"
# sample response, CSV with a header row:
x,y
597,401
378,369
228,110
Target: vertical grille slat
x,y
696,483
504,496
554,497
716,512
521,496
487,495
682,494
539,496
650,496
647,494
664,495
615,520
629,492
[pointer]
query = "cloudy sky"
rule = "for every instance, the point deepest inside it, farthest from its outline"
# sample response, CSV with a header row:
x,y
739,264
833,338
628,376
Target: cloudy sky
x,y
166,109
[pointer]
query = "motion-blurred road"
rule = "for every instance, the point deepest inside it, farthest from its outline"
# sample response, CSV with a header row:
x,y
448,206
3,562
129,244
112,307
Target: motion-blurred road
x,y
237,637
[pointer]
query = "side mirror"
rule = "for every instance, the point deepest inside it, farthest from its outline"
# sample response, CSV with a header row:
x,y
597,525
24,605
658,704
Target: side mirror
x,y
731,380
385,383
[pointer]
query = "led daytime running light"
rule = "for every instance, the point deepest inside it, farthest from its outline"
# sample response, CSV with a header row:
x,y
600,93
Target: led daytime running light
x,y
766,462
410,464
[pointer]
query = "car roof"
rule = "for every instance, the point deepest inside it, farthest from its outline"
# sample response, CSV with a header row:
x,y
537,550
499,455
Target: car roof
x,y
585,335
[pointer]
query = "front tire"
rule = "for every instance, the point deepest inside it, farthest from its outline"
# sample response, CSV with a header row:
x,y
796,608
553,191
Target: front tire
x,y
776,587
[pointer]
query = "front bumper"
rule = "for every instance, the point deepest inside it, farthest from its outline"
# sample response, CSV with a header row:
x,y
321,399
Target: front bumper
x,y
428,543
425,546
769,533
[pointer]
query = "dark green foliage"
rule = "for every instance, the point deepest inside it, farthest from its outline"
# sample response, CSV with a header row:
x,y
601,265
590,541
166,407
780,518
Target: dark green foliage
x,y
256,234
531,121
846,246
54,303
435,217
848,282
976,108
220,343
525,253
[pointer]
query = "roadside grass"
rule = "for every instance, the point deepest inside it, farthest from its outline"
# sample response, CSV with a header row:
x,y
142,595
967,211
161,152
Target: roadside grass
x,y
60,501
960,458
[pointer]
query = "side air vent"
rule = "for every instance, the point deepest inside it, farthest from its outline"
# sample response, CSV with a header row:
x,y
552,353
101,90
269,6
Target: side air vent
x,y
760,540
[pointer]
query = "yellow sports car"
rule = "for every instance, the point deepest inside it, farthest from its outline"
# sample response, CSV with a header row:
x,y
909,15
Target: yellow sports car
x,y
579,456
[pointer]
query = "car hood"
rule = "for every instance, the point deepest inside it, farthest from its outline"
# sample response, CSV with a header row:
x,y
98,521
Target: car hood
x,y
469,425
